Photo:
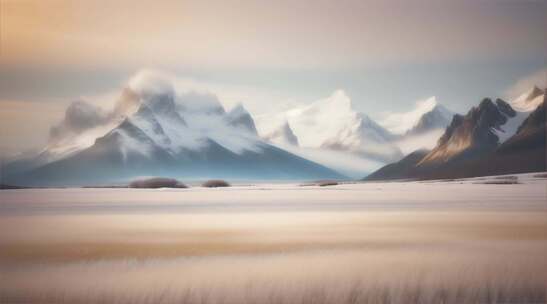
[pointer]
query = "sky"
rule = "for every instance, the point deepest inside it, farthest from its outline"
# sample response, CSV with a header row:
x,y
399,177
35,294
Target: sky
x,y
268,55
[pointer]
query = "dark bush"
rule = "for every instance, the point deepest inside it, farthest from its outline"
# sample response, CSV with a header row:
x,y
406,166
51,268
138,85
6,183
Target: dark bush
x,y
500,182
327,183
157,182
214,183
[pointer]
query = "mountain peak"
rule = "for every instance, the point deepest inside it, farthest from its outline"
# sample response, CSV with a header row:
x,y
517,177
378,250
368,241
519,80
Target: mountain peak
x,y
238,110
240,117
486,103
536,120
150,88
404,122
441,109
127,103
281,134
439,117
505,108
472,134
529,101
535,92
339,99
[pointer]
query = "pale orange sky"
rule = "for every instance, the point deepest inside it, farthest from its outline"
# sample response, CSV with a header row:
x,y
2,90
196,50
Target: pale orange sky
x,y
384,54
271,34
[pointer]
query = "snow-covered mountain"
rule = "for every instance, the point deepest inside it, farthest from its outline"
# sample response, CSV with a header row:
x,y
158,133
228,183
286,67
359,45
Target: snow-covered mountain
x,y
400,123
152,130
524,105
276,129
529,100
239,117
439,117
332,124
419,128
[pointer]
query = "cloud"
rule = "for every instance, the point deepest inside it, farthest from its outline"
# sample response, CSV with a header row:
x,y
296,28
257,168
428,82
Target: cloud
x,y
525,83
349,164
254,99
82,115
79,116
150,82
400,122
25,125
426,140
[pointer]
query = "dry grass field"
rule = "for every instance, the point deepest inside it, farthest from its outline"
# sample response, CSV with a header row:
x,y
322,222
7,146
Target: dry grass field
x,y
449,242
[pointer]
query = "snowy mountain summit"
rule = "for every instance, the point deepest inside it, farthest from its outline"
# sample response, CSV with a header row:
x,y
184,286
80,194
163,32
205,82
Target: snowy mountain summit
x,y
438,117
330,123
151,131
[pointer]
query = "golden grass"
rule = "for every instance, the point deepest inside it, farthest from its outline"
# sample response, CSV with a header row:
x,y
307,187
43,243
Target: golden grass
x,y
88,238
395,256
469,274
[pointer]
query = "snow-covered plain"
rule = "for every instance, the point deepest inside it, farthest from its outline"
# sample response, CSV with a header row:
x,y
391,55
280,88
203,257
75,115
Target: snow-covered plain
x,y
480,240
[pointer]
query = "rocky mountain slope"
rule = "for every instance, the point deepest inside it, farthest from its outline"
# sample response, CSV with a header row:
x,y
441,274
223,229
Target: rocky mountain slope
x,y
472,134
471,146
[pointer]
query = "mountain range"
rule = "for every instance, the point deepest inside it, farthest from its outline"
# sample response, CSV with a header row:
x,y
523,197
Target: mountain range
x,y
152,130
333,124
491,139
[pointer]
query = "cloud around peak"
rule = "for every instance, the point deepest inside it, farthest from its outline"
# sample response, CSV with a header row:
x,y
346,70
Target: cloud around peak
x,y
151,82
400,122
526,83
